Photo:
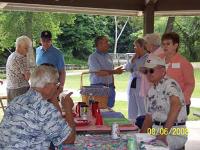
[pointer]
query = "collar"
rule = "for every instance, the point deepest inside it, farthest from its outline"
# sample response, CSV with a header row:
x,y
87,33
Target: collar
x,y
100,52
174,58
160,82
47,48
19,55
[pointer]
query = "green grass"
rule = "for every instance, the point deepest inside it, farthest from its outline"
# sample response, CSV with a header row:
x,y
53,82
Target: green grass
x,y
122,106
196,92
121,81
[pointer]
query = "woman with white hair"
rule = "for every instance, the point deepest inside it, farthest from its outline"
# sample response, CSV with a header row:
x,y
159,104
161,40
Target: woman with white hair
x,y
31,122
17,71
152,44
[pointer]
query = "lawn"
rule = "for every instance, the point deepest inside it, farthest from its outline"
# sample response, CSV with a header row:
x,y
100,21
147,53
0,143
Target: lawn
x,y
121,106
121,81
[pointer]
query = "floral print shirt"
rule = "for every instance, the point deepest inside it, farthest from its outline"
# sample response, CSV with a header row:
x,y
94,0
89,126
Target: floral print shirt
x,y
31,123
15,67
158,100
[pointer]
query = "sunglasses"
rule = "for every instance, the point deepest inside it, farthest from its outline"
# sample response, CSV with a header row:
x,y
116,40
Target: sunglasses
x,y
146,71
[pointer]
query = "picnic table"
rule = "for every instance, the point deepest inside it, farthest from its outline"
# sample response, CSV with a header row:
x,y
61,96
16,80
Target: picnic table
x,y
105,142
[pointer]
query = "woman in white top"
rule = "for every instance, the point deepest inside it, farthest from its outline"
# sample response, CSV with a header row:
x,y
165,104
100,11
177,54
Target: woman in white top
x,y
136,105
17,71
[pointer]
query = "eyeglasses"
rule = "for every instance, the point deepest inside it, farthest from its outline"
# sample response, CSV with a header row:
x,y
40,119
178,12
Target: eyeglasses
x,y
146,71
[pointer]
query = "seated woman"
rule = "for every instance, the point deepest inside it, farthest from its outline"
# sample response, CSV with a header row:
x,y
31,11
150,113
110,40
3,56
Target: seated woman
x,y
166,113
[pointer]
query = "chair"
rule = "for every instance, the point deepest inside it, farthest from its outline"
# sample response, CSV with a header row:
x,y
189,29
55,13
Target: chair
x,y
1,102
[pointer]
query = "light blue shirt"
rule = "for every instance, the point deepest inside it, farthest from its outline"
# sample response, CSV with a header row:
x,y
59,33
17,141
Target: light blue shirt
x,y
135,67
100,61
31,122
51,56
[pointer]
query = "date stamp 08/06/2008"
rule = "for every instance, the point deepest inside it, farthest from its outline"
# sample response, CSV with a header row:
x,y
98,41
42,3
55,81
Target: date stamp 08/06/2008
x,y
165,131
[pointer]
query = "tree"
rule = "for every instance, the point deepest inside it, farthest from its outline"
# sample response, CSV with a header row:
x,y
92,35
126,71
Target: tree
x,y
169,26
117,35
189,31
77,40
15,24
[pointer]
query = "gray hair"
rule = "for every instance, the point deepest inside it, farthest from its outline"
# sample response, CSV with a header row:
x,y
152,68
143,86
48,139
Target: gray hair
x,y
153,39
23,40
42,75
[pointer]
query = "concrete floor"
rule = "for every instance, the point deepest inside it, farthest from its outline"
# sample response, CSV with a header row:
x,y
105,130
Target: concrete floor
x,y
193,142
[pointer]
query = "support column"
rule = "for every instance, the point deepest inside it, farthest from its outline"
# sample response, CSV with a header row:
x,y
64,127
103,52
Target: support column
x,y
149,16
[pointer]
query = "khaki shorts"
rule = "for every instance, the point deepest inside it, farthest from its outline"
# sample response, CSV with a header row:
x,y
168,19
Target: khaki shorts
x,y
12,93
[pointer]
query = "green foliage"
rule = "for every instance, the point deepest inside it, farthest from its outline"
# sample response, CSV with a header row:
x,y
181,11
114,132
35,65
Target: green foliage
x,y
14,24
77,39
189,31
75,34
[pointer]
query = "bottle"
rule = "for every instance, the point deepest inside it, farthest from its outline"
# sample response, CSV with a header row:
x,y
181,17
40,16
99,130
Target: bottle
x,y
115,131
90,99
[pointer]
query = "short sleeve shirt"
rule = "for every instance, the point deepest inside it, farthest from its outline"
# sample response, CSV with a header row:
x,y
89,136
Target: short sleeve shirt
x,y
51,56
100,61
135,67
158,100
15,67
31,122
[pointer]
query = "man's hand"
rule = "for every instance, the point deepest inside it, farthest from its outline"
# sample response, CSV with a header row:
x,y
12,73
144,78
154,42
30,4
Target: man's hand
x,y
66,101
119,70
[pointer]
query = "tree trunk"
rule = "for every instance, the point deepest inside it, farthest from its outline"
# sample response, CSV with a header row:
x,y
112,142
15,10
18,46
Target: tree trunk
x,y
28,32
170,22
28,24
116,39
116,33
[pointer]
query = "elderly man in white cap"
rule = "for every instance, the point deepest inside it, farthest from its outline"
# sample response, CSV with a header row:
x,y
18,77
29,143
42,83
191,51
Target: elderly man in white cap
x,y
166,113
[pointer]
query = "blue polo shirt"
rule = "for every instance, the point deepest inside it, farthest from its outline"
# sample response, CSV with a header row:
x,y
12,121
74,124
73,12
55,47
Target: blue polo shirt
x,y
100,61
51,56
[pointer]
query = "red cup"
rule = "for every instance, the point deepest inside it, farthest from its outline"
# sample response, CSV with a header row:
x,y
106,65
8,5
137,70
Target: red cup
x,y
79,104
99,119
95,107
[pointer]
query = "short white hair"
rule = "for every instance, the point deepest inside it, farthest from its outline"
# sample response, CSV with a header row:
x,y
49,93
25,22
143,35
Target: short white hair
x,y
43,75
23,40
153,39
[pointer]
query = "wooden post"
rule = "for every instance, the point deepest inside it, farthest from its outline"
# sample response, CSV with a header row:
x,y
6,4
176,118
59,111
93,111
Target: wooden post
x,y
149,16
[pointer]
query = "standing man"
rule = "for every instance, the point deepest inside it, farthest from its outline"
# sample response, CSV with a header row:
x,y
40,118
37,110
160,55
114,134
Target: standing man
x,y
178,67
101,63
48,54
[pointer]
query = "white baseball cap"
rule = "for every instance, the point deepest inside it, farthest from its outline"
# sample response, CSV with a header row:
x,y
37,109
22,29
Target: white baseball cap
x,y
153,61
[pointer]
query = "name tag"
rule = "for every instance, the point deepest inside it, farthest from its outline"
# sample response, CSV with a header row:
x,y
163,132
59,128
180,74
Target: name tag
x,y
176,65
